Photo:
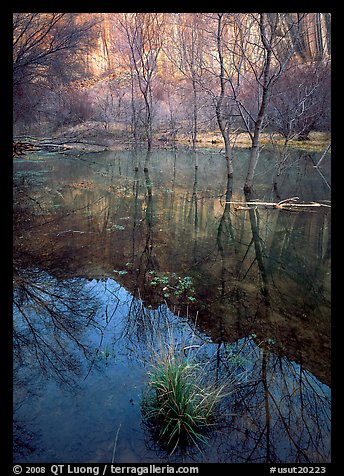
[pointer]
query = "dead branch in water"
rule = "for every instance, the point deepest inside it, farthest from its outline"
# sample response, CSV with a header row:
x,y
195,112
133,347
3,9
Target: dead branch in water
x,y
20,148
288,203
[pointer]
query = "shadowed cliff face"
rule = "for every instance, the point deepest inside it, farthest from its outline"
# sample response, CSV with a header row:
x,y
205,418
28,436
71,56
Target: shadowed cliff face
x,y
171,235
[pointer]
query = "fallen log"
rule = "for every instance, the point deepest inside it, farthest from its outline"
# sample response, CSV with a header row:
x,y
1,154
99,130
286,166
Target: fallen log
x,y
288,203
20,148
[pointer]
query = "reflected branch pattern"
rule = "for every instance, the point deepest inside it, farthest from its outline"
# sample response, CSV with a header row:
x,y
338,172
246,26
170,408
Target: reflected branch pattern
x,y
50,319
281,413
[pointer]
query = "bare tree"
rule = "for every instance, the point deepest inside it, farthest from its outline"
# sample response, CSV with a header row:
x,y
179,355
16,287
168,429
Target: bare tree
x,y
108,101
185,52
222,65
269,41
39,39
270,68
300,99
300,103
48,51
144,34
223,121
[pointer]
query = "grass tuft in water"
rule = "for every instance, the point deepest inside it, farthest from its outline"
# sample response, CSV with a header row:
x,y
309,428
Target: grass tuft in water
x,y
180,402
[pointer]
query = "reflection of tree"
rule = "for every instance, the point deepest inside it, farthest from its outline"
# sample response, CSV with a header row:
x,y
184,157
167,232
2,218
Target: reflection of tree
x,y
273,267
147,254
145,260
254,221
172,192
225,231
136,212
193,210
284,256
50,318
234,249
289,261
24,441
281,413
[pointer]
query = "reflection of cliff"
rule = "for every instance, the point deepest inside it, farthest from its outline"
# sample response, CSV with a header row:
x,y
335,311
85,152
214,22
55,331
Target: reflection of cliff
x,y
265,274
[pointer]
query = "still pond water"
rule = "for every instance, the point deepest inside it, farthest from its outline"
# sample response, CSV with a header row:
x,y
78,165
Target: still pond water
x,y
108,255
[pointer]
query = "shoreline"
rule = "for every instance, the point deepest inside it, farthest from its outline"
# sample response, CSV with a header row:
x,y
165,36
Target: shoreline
x,y
92,140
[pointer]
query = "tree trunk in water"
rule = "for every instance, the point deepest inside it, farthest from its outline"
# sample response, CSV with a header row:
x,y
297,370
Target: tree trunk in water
x,y
254,155
219,102
261,113
228,155
148,126
147,159
224,133
195,128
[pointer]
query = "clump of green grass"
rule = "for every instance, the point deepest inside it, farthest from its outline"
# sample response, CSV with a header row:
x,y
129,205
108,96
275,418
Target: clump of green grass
x,y
180,402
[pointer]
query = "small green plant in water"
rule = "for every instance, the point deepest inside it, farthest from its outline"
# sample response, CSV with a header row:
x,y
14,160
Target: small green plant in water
x,y
174,285
106,353
117,227
120,272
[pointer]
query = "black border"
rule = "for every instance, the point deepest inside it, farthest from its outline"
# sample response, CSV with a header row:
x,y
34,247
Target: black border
x,y
6,175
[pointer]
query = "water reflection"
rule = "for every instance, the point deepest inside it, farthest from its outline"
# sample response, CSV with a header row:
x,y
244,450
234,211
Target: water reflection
x,y
51,317
260,284
49,314
279,412
276,406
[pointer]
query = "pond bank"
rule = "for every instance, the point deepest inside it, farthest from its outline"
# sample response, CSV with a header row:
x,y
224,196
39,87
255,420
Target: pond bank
x,y
92,137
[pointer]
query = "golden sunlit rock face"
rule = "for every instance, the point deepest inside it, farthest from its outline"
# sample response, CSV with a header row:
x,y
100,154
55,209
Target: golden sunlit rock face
x,y
104,56
100,59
